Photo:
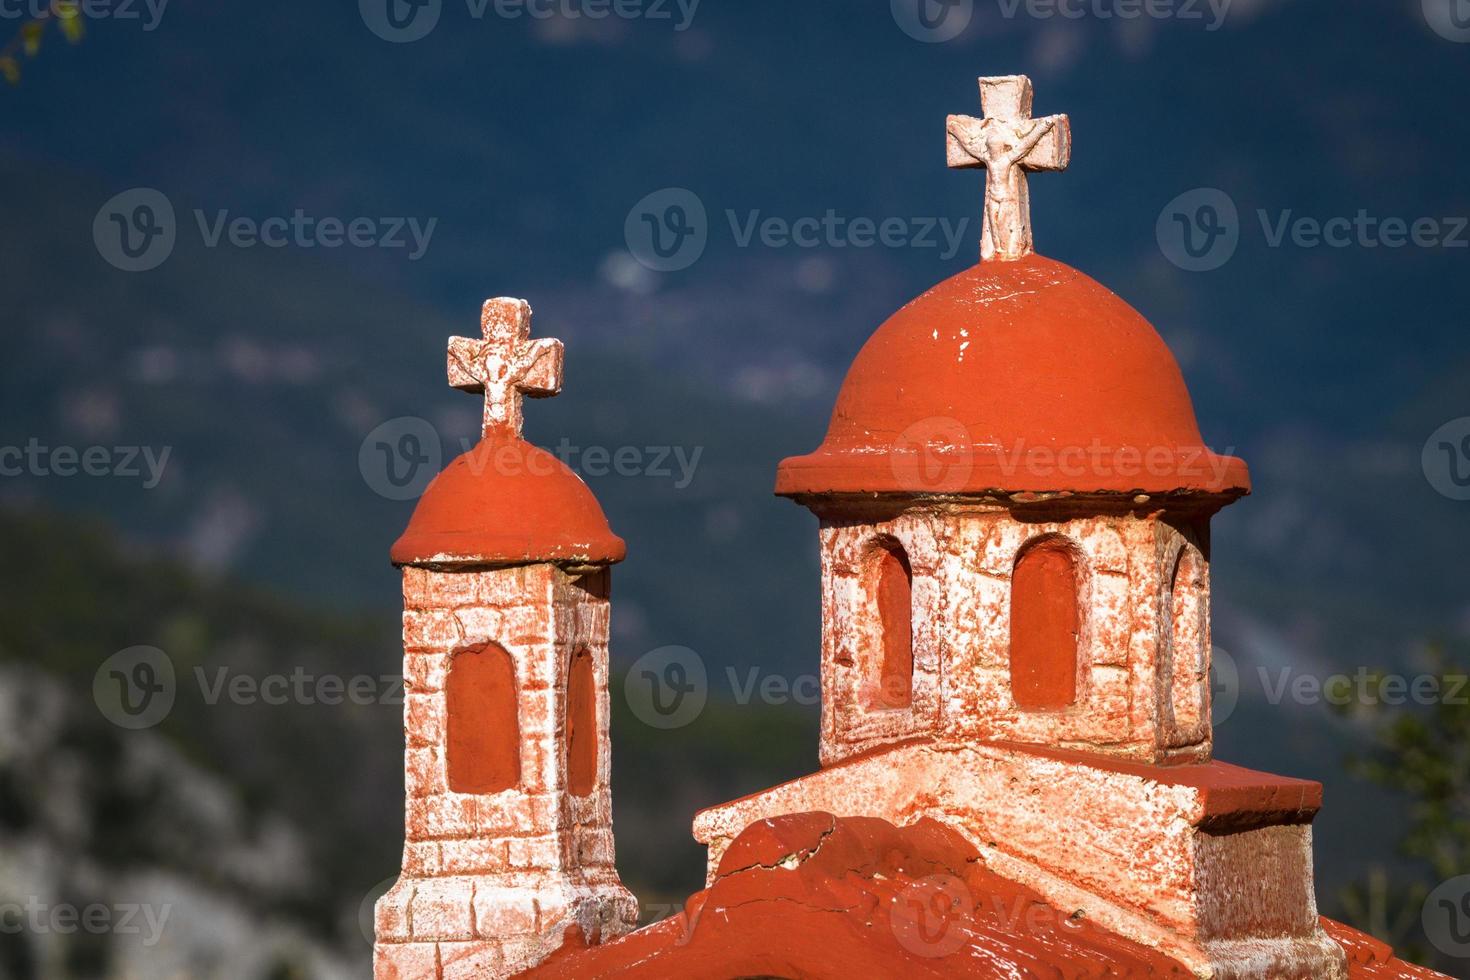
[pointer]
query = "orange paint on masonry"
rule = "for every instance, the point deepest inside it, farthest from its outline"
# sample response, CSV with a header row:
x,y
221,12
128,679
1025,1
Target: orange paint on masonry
x,y
1015,376
810,895
1013,497
894,687
581,725
1044,627
507,501
483,743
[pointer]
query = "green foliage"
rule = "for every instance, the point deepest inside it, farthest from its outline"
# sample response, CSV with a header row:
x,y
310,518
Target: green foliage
x,y
30,37
71,594
66,14
1423,753
69,19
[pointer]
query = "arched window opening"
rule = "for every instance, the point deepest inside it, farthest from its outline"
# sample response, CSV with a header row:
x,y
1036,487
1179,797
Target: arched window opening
x,y
1044,627
581,725
893,687
483,738
1187,666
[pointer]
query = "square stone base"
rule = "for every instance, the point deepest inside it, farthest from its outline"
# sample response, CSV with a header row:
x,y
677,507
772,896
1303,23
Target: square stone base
x,y
490,925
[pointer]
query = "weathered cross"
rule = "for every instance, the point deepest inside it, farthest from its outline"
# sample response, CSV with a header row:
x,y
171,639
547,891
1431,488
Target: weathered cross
x,y
506,364
1007,143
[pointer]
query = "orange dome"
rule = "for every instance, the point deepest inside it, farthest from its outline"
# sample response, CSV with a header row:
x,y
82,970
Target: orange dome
x,y
507,502
1022,376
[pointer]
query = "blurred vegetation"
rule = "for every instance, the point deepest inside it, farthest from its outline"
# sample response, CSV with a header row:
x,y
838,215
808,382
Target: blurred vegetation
x,y
72,594
65,14
1422,753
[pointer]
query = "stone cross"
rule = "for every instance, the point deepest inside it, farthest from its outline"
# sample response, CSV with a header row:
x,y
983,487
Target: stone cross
x,y
506,364
1007,143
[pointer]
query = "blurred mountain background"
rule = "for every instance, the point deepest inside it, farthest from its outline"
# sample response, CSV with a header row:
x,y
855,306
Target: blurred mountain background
x,y
270,377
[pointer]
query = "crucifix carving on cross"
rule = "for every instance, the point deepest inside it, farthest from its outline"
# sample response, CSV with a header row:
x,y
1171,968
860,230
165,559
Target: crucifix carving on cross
x,y
506,365
1007,143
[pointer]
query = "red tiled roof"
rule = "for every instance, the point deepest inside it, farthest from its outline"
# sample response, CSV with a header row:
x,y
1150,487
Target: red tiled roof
x,y
1369,959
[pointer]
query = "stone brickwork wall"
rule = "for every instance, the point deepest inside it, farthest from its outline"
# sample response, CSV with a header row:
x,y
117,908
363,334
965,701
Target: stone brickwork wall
x,y
1209,864
1142,685
490,882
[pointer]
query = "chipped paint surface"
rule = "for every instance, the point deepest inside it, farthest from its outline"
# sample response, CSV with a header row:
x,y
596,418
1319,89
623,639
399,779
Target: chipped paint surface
x,y
814,896
1129,845
490,883
1097,805
505,501
1015,376
962,558
1007,143
506,364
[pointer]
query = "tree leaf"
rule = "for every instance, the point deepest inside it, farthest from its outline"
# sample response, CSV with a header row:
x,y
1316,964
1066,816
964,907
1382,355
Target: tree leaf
x,y
71,24
30,35
10,68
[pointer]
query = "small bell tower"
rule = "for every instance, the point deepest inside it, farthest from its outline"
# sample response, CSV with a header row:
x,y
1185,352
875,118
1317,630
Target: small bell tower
x,y
508,829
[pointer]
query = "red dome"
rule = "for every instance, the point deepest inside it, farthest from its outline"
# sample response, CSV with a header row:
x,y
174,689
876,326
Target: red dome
x,y
507,502
1022,376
